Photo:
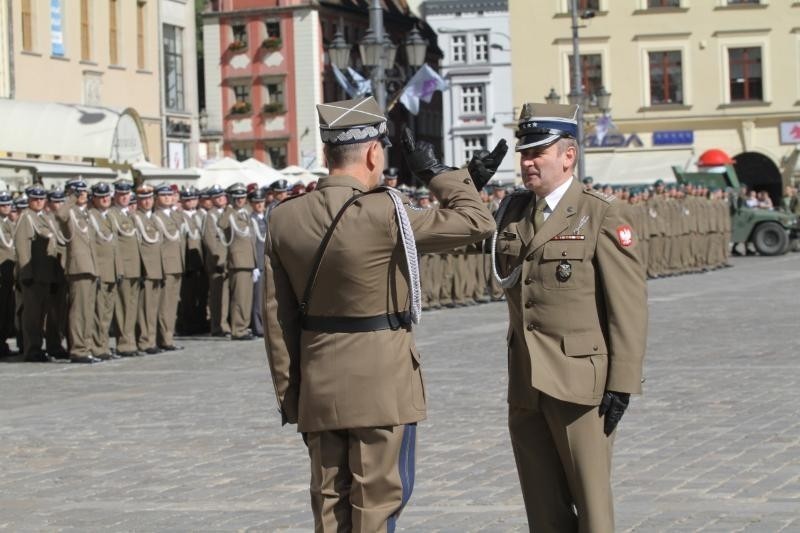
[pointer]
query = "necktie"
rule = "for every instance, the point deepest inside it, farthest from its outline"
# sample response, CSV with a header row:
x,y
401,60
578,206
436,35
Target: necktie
x,y
538,216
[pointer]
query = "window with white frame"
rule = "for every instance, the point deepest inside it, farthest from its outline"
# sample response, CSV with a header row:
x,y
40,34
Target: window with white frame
x,y
480,46
458,48
472,99
745,74
666,77
473,144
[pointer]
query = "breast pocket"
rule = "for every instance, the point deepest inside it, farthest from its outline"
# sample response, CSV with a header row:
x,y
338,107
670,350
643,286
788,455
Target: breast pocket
x,y
562,264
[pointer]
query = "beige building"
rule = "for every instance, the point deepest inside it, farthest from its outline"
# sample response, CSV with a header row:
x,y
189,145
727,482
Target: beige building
x,y
684,76
97,53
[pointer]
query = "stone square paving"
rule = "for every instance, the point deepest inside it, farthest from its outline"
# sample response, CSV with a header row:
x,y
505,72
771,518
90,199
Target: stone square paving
x,y
191,441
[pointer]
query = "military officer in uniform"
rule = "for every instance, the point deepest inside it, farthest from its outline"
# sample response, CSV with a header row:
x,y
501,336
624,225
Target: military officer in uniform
x,y
81,271
257,200
57,302
152,275
194,286
126,303
577,302
169,224
8,261
390,176
216,258
236,224
33,242
338,313
109,269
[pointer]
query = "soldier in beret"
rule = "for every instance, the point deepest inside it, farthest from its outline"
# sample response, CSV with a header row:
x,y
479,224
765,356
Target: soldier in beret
x,y
577,300
8,262
329,300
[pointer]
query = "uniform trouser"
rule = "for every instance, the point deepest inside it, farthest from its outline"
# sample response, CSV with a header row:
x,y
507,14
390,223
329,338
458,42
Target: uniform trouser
x,y
125,311
147,313
218,299
434,288
192,306
168,309
7,307
361,478
56,320
563,459
241,282
103,315
82,295
257,323
461,280
34,306
446,288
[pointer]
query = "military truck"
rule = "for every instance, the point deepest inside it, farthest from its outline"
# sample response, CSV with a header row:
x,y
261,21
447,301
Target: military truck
x,y
770,232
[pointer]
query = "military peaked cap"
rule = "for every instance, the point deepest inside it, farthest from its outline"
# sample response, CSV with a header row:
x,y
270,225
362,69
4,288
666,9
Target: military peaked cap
x,y
352,121
36,192
55,196
21,202
215,190
5,198
280,186
101,189
543,124
76,185
256,195
123,186
144,191
189,193
237,190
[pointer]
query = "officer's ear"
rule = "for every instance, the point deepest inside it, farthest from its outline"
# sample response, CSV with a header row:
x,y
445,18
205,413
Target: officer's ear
x,y
375,156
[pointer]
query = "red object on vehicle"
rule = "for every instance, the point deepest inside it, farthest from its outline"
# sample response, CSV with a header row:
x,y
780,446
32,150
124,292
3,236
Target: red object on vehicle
x,y
714,158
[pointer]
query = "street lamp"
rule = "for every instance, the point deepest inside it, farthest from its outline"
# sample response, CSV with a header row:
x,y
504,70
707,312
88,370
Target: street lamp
x,y
552,97
416,47
604,99
576,94
203,120
339,51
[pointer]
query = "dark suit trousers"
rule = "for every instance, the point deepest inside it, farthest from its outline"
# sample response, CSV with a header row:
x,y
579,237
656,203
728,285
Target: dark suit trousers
x,y
34,298
257,323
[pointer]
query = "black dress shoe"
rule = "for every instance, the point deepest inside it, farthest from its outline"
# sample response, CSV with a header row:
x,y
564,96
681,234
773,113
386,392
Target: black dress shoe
x,y
63,354
84,359
152,351
247,337
171,348
38,357
128,354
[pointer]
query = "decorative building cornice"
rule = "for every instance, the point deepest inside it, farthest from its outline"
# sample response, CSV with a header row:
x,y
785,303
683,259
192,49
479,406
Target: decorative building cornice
x,y
451,7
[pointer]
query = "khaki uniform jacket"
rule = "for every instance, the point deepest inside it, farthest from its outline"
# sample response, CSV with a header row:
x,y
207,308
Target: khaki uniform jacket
x,y
242,247
150,245
171,242
194,241
216,253
127,242
109,259
8,255
576,338
81,249
326,381
34,243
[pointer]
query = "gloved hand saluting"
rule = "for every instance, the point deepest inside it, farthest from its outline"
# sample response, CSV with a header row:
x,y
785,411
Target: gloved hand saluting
x,y
484,164
421,159
613,407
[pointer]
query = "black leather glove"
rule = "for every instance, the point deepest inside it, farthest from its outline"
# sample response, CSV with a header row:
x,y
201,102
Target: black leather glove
x,y
484,164
613,407
421,159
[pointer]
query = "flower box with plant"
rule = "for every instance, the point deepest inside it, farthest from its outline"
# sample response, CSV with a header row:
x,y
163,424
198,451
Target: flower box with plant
x,y
272,43
272,108
237,46
240,108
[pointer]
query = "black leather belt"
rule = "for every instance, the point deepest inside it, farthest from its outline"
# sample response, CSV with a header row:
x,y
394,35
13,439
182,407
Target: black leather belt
x,y
353,324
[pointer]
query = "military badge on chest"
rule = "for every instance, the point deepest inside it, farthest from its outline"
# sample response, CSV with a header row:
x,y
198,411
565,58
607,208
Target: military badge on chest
x,y
563,271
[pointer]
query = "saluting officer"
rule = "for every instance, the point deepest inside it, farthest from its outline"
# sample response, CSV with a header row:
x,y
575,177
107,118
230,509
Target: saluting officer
x,y
172,257
152,275
235,222
8,261
338,311
577,302
216,258
257,201
126,302
81,270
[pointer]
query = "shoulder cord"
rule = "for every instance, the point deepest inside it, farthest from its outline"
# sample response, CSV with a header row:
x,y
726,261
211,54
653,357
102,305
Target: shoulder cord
x,y
172,237
257,231
236,229
143,232
512,278
104,237
192,234
6,242
220,233
121,231
77,224
410,249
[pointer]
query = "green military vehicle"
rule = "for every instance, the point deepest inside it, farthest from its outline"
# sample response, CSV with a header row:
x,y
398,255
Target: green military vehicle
x,y
770,232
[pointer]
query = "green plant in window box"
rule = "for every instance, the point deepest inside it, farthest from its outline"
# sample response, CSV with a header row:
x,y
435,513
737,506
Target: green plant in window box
x,y
271,44
272,108
237,46
240,108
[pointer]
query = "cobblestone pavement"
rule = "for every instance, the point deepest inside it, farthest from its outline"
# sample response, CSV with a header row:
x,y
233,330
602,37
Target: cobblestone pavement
x,y
191,441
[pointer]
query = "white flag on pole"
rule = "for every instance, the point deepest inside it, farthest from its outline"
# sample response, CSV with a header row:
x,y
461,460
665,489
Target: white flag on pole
x,y
421,87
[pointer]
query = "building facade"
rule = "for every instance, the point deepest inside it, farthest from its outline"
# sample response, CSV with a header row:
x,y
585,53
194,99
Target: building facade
x,y
266,67
684,76
477,109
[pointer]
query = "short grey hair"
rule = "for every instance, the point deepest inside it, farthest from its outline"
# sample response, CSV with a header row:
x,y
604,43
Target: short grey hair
x,y
566,142
341,155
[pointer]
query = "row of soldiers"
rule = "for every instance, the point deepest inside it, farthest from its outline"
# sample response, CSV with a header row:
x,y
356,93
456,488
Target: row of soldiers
x,y
132,266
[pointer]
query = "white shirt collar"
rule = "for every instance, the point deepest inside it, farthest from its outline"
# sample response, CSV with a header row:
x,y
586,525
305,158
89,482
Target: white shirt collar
x,y
554,197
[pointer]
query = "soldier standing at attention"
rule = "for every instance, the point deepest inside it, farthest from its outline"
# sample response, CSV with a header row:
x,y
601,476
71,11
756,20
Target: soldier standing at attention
x,y
55,329
127,295
258,206
216,257
235,222
338,313
81,271
109,269
172,258
194,288
577,302
152,276
8,261
33,241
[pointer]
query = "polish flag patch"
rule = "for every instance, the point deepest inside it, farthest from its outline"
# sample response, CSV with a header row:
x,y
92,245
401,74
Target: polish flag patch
x,y
625,235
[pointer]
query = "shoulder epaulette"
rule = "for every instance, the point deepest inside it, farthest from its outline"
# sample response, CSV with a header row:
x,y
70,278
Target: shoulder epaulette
x,y
608,198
